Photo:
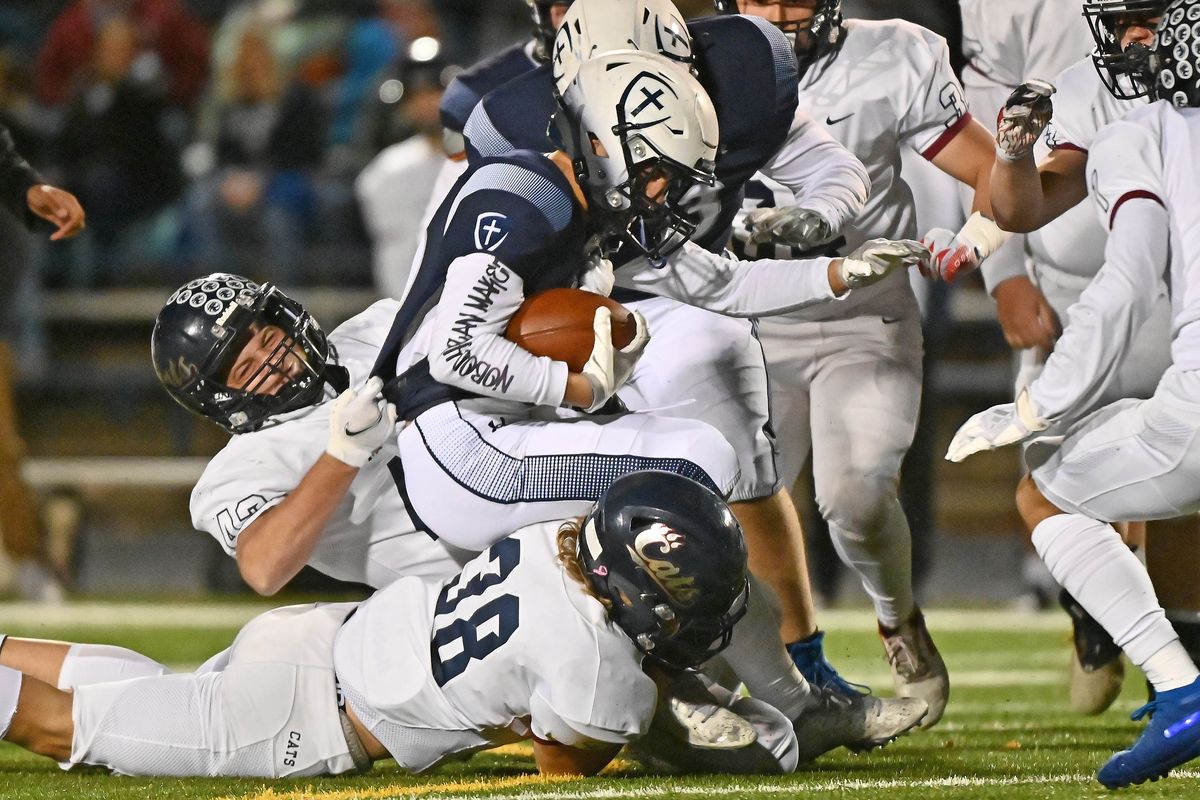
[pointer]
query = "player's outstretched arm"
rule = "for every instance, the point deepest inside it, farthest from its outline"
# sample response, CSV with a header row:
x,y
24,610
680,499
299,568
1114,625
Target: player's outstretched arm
x,y
276,545
1025,196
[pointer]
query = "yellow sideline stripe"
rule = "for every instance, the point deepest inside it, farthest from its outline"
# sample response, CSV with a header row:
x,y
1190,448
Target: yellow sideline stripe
x,y
399,790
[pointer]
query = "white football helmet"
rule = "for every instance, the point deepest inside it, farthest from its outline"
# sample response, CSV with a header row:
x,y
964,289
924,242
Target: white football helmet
x,y
629,119
591,27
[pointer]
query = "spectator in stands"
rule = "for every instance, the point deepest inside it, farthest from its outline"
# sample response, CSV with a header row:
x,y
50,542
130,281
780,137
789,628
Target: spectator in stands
x,y
117,145
250,213
27,197
167,33
394,188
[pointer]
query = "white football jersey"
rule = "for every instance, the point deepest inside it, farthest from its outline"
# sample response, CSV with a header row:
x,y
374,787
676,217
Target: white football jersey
x,y
1008,43
370,538
512,647
1153,154
888,86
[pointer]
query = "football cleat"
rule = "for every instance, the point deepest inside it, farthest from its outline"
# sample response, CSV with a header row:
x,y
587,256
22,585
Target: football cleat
x,y
917,667
809,657
1097,670
859,722
1171,738
689,712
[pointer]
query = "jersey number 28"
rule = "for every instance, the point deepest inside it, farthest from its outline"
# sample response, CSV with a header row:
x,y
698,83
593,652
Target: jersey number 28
x,y
500,615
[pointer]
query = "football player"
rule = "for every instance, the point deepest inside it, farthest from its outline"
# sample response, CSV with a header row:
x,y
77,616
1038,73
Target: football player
x,y
654,574
324,468
1067,251
846,377
715,364
1132,459
641,132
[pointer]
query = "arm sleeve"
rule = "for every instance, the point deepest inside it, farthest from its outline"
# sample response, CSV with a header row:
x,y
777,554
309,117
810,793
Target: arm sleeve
x,y
1110,311
937,109
16,176
730,287
468,349
822,174
238,485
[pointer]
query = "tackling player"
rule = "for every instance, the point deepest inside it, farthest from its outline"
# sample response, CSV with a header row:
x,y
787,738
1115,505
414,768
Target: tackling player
x,y
846,377
655,572
1132,459
715,364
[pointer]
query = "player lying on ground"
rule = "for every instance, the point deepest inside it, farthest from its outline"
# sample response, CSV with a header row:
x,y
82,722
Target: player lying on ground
x,y
269,375
654,575
1132,459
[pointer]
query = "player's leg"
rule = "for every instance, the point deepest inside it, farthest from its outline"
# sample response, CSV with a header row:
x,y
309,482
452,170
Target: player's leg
x,y
35,715
701,365
865,400
67,665
1138,459
472,477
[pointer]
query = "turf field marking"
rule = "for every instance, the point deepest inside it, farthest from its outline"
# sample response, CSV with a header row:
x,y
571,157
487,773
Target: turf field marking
x,y
218,615
470,790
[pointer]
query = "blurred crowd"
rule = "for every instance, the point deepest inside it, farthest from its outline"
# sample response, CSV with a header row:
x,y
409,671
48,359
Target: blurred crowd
x,y
224,133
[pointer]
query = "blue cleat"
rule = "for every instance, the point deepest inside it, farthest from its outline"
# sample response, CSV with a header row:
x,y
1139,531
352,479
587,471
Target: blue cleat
x,y
1171,738
809,657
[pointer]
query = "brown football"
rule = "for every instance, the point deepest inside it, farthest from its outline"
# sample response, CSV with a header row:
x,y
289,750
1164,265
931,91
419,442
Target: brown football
x,y
558,323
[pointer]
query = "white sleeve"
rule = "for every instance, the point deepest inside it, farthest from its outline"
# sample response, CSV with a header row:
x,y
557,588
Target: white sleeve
x,y
467,344
937,109
238,485
822,174
731,287
1109,313
549,725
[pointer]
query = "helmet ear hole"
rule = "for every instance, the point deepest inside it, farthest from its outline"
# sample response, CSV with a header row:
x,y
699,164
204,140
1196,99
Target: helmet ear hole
x,y
598,148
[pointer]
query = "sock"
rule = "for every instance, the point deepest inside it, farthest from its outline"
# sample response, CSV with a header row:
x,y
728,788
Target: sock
x,y
1089,560
758,657
86,664
10,691
883,561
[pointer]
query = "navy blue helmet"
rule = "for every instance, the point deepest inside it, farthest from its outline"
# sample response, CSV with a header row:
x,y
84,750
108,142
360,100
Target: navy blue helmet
x,y
668,554
204,326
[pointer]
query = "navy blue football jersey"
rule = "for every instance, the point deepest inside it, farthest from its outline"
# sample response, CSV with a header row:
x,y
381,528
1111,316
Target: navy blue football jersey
x,y
518,208
749,71
470,85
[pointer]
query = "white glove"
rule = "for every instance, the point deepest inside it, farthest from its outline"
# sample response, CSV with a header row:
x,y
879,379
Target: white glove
x,y
607,368
875,259
794,226
625,359
1000,425
956,254
1026,113
598,276
359,423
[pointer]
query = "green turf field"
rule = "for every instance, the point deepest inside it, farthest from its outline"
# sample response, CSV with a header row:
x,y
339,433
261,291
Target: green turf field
x,y
1008,732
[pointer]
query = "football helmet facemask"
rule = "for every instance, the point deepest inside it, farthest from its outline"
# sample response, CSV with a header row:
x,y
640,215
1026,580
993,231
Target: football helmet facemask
x,y
824,28
204,326
1118,68
629,119
543,26
668,556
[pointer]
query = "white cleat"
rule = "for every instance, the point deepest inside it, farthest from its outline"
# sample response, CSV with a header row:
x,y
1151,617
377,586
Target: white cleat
x,y
858,723
917,667
690,712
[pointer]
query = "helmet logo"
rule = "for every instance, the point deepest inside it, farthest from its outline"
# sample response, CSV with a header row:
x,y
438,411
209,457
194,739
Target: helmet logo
x,y
648,548
179,373
645,93
490,230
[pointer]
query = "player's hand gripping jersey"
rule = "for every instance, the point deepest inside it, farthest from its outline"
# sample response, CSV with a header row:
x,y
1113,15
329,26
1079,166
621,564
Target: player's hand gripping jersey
x,y
512,647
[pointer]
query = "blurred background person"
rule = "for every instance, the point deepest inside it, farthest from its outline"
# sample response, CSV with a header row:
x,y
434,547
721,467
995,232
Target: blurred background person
x,y
394,188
